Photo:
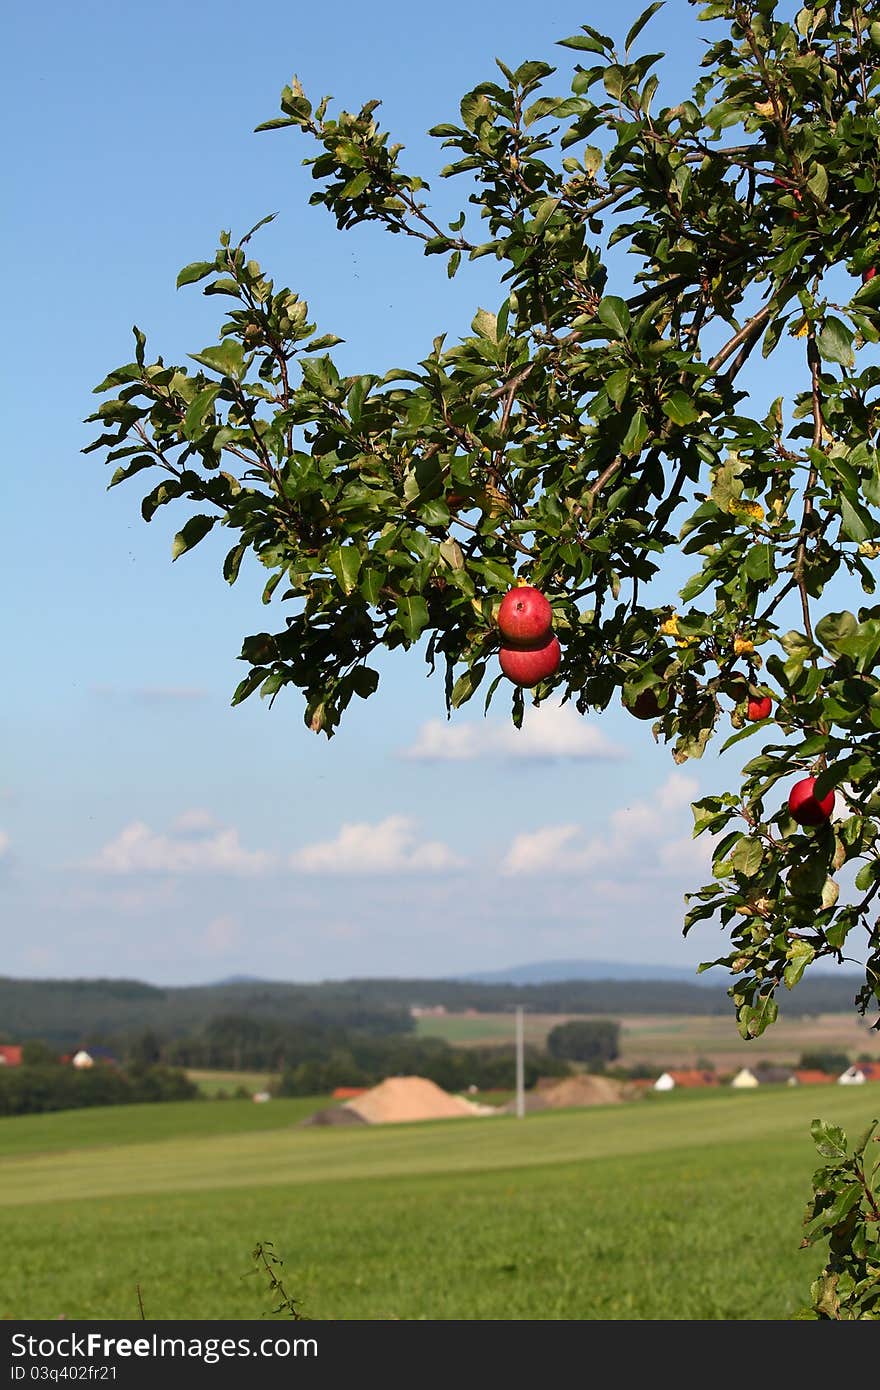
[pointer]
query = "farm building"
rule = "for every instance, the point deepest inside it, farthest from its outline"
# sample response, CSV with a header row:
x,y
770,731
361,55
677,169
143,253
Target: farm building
x,y
10,1055
858,1074
348,1092
88,1057
745,1080
686,1078
808,1077
769,1075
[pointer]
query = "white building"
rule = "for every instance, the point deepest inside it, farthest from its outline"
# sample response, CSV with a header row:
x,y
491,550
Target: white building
x,y
745,1080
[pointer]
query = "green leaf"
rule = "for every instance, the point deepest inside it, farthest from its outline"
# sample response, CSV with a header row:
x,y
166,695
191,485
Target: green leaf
x,y
364,681
485,325
856,521
635,436
830,1140
227,358
830,631
584,41
640,23
466,684
232,563
759,564
195,529
199,407
798,956
680,409
196,271
137,465
412,616
748,856
835,342
615,315
345,562
451,552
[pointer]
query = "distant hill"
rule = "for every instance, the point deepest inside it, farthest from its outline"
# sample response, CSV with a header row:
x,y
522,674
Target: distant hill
x,y
553,971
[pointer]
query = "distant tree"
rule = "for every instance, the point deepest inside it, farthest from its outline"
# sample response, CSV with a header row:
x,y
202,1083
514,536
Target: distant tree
x,y
35,1053
585,1040
831,1062
145,1050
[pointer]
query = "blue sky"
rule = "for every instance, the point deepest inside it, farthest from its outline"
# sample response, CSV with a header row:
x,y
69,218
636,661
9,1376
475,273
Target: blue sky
x,y
148,829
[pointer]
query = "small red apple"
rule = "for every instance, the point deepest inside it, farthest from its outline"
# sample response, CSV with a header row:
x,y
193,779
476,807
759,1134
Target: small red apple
x,y
645,705
805,807
524,615
868,274
759,706
530,665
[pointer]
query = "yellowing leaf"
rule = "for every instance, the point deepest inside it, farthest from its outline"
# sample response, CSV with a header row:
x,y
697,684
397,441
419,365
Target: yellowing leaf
x,y
742,646
670,627
752,510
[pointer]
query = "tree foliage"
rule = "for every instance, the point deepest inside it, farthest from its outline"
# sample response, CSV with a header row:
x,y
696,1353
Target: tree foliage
x,y
845,1211
595,1040
590,434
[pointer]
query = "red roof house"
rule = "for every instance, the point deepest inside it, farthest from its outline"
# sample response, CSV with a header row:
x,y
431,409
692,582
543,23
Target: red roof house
x,y
685,1078
10,1056
348,1092
811,1078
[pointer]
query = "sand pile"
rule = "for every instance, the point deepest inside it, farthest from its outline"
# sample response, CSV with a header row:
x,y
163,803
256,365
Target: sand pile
x,y
402,1098
571,1091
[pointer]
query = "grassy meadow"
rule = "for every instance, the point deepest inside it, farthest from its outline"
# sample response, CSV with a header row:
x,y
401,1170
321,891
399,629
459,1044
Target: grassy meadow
x,y
682,1206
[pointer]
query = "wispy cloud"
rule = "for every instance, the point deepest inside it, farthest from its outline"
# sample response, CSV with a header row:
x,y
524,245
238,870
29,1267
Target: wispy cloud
x,y
220,936
548,731
644,832
196,821
150,694
389,846
138,849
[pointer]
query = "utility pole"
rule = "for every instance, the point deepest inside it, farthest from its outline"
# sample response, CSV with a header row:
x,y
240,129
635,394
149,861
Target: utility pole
x,y
520,1068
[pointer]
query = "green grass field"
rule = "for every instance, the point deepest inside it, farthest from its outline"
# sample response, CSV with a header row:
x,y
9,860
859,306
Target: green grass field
x,y
211,1083
675,1040
677,1207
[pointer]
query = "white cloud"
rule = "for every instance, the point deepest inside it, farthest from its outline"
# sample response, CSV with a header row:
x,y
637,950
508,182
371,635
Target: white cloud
x,y
633,833
137,850
386,847
548,731
220,936
4,844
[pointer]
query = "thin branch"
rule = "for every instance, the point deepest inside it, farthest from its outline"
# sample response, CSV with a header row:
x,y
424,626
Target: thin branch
x,y
755,323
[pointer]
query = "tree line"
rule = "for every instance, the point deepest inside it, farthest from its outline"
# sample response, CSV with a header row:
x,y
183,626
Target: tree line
x,y
73,1013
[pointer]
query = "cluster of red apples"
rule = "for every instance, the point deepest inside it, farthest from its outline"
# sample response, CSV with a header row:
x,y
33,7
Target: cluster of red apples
x,y
530,650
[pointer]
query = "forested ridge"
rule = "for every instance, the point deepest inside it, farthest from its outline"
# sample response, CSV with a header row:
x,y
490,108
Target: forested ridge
x,y
68,1011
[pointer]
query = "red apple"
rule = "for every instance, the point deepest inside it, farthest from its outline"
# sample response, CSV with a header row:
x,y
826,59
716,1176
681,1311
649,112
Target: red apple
x,y
529,665
645,705
805,806
868,274
759,706
525,616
